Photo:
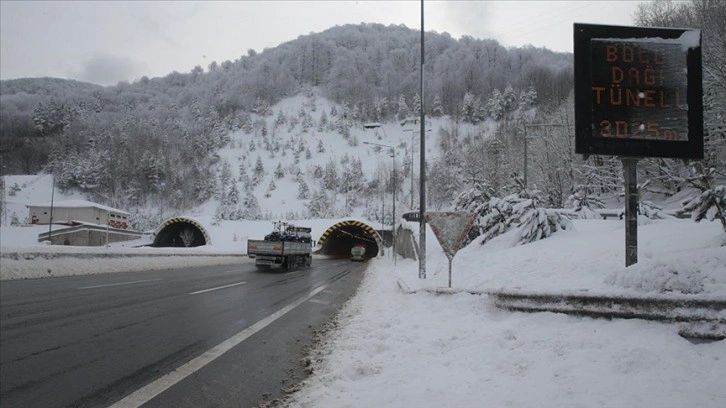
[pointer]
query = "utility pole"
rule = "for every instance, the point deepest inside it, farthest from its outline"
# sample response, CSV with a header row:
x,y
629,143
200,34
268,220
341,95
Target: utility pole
x,y
50,221
422,171
393,185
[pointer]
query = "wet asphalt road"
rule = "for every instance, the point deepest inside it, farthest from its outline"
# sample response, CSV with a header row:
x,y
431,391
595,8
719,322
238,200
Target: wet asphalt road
x,y
91,341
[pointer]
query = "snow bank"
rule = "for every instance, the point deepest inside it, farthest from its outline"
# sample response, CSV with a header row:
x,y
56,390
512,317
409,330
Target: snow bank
x,y
424,350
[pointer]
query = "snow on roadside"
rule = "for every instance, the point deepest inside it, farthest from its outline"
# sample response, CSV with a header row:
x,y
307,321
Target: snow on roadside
x,y
426,350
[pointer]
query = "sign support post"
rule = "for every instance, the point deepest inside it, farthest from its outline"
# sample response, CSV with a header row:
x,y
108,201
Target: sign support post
x,y
451,229
630,174
638,93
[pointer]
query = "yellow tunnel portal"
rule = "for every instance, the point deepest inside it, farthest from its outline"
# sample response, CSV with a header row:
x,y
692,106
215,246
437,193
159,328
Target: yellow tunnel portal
x,y
340,238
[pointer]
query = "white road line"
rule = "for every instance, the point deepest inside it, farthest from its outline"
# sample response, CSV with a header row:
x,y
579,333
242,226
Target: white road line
x,y
320,302
217,288
118,284
151,390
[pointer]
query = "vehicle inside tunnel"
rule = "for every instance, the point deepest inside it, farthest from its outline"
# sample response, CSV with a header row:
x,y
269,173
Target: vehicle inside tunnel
x,y
339,239
180,232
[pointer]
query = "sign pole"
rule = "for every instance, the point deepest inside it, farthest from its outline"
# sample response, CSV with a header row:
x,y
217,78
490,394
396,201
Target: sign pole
x,y
630,174
451,229
450,259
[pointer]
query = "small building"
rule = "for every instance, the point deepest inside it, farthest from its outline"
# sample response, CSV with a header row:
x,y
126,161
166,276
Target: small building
x,y
70,212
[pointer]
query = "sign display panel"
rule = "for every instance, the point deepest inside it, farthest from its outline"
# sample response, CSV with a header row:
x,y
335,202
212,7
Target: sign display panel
x,y
638,91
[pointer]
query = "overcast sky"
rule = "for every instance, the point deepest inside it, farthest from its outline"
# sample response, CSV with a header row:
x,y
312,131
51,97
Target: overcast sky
x,y
105,42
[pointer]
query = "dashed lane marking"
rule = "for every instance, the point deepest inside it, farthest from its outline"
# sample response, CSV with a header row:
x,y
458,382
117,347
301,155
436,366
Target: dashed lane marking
x,y
151,390
118,284
217,288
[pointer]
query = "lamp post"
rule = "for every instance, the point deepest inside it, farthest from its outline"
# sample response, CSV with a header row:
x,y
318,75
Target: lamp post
x,y
422,163
393,185
413,134
50,221
525,142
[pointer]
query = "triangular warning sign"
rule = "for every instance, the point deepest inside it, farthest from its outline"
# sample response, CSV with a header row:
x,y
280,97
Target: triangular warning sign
x,y
451,228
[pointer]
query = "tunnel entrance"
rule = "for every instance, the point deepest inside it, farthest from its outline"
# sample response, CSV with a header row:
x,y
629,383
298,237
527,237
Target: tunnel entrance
x,y
181,232
340,238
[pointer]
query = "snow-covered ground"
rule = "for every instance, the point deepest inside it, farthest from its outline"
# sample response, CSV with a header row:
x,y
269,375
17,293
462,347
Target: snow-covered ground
x,y
392,349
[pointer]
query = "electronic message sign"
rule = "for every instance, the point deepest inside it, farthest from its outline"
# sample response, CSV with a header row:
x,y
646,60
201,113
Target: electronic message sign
x,y
638,92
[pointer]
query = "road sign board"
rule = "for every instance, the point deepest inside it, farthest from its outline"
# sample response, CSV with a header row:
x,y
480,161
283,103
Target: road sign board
x,y
638,91
451,228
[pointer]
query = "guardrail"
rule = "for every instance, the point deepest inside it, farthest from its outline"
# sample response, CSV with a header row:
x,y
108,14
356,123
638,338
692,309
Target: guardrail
x,y
699,318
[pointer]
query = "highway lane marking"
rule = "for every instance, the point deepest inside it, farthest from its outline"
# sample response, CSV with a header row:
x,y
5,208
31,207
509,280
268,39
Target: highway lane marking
x,y
217,288
151,390
119,284
320,302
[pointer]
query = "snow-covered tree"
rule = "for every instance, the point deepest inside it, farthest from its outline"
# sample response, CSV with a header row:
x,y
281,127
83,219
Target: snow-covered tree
x,y
403,110
437,109
303,191
330,177
279,171
710,204
416,105
494,106
320,205
509,99
471,109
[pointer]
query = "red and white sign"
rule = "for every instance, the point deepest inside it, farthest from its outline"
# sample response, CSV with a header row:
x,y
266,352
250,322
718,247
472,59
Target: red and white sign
x,y
451,228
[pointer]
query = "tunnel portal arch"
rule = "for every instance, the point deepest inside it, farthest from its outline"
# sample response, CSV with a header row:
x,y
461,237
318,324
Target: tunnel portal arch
x,y
340,238
181,232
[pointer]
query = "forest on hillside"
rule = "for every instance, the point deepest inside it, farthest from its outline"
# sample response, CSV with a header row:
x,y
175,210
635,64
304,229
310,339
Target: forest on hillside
x,y
122,142
158,138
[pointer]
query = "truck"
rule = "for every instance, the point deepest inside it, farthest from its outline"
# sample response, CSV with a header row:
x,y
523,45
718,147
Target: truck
x,y
287,245
357,252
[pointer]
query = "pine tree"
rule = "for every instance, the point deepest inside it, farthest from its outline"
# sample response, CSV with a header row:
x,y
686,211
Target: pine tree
x,y
280,118
438,109
403,110
259,167
233,196
509,99
319,205
416,108
330,177
303,191
279,171
471,109
494,106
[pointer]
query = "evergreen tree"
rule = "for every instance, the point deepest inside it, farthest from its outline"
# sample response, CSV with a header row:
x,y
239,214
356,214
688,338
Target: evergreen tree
x,y
319,205
437,109
279,171
416,108
403,110
509,99
303,191
494,106
330,177
259,167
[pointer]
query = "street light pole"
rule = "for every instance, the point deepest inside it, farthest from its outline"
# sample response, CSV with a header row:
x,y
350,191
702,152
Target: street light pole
x,y
50,221
393,185
422,171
